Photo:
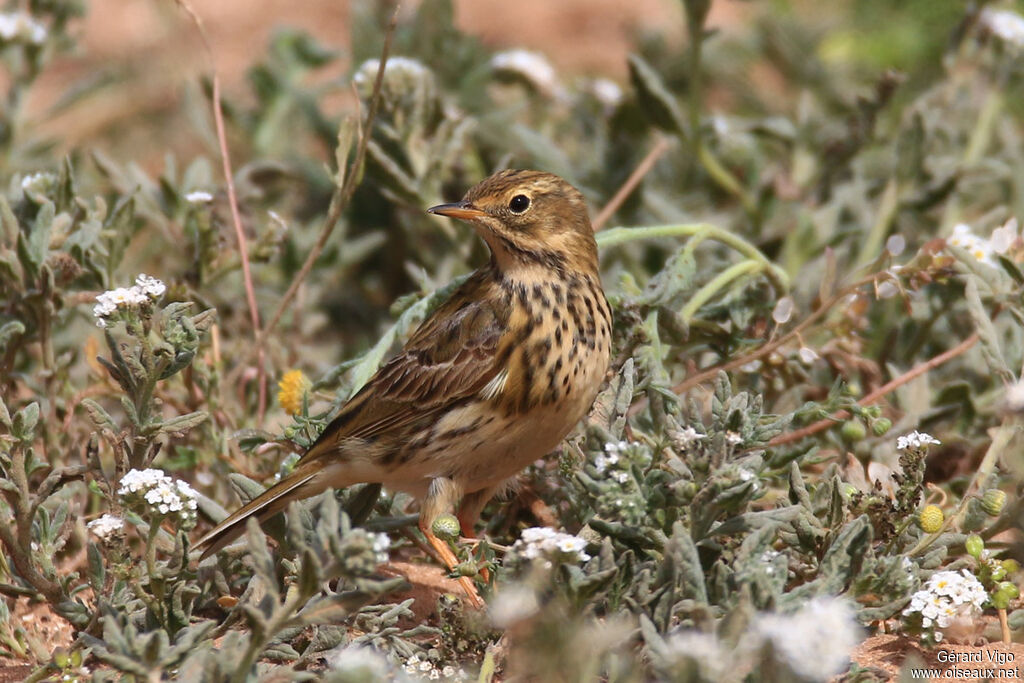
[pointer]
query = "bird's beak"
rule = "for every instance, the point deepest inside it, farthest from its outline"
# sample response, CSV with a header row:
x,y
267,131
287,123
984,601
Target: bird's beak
x,y
464,210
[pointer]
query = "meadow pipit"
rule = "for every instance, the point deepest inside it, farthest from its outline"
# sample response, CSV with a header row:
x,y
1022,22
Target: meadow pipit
x,y
490,382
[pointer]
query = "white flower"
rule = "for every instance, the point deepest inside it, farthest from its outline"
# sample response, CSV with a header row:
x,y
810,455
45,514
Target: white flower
x,y
732,438
807,355
146,288
1014,397
682,438
161,494
150,286
947,597
106,525
381,545
137,480
532,67
978,247
198,197
110,301
22,27
606,91
1006,24
613,451
887,289
548,544
1004,236
814,642
402,67
783,310
915,439
38,182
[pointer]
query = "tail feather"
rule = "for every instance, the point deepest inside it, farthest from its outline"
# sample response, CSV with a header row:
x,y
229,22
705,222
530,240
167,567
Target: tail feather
x,y
263,507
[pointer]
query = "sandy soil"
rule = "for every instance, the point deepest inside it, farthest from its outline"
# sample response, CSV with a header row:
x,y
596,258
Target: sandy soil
x,y
887,654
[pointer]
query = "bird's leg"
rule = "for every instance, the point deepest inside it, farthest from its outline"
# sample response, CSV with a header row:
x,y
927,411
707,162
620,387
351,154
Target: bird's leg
x,y
441,498
469,512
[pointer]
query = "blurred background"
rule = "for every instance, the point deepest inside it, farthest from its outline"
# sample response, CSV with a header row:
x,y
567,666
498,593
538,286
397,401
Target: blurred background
x,y
142,56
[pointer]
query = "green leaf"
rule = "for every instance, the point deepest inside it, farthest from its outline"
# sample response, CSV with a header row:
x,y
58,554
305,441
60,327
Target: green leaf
x,y
656,102
183,423
987,335
35,249
101,419
25,420
244,487
10,330
5,415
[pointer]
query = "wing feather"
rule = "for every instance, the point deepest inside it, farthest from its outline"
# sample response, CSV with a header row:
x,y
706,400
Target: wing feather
x,y
453,355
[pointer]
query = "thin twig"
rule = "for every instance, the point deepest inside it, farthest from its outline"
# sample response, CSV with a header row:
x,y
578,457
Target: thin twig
x,y
236,219
878,393
761,351
642,169
342,196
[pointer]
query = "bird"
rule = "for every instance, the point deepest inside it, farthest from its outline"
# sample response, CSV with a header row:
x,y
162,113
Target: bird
x,y
493,380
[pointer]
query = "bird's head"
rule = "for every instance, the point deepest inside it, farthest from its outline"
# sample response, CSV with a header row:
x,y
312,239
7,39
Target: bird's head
x,y
529,219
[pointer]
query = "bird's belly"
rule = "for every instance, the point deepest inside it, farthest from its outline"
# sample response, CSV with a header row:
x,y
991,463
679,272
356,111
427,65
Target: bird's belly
x,y
496,449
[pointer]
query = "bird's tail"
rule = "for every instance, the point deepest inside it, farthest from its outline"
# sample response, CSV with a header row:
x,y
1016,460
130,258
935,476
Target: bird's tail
x,y
264,506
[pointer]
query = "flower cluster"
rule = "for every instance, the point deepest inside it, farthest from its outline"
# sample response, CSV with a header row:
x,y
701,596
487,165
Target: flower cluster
x,y
402,76
609,456
422,667
814,642
21,27
105,526
682,439
38,182
984,249
1006,24
614,466
146,290
542,543
532,67
161,495
915,440
607,92
947,597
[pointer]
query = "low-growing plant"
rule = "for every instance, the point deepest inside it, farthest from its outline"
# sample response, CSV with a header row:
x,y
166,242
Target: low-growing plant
x,y
807,285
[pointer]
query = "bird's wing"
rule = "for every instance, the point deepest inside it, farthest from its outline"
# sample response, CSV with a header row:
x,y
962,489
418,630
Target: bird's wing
x,y
452,355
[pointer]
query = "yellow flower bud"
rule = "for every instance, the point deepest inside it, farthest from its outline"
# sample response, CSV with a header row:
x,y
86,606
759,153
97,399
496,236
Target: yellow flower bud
x,y
992,502
931,518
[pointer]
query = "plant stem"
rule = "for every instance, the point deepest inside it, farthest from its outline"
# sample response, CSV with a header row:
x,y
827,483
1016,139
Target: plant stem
x,y
642,169
717,283
878,393
617,236
1000,440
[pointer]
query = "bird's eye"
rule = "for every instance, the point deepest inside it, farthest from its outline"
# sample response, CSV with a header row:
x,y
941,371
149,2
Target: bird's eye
x,y
519,203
